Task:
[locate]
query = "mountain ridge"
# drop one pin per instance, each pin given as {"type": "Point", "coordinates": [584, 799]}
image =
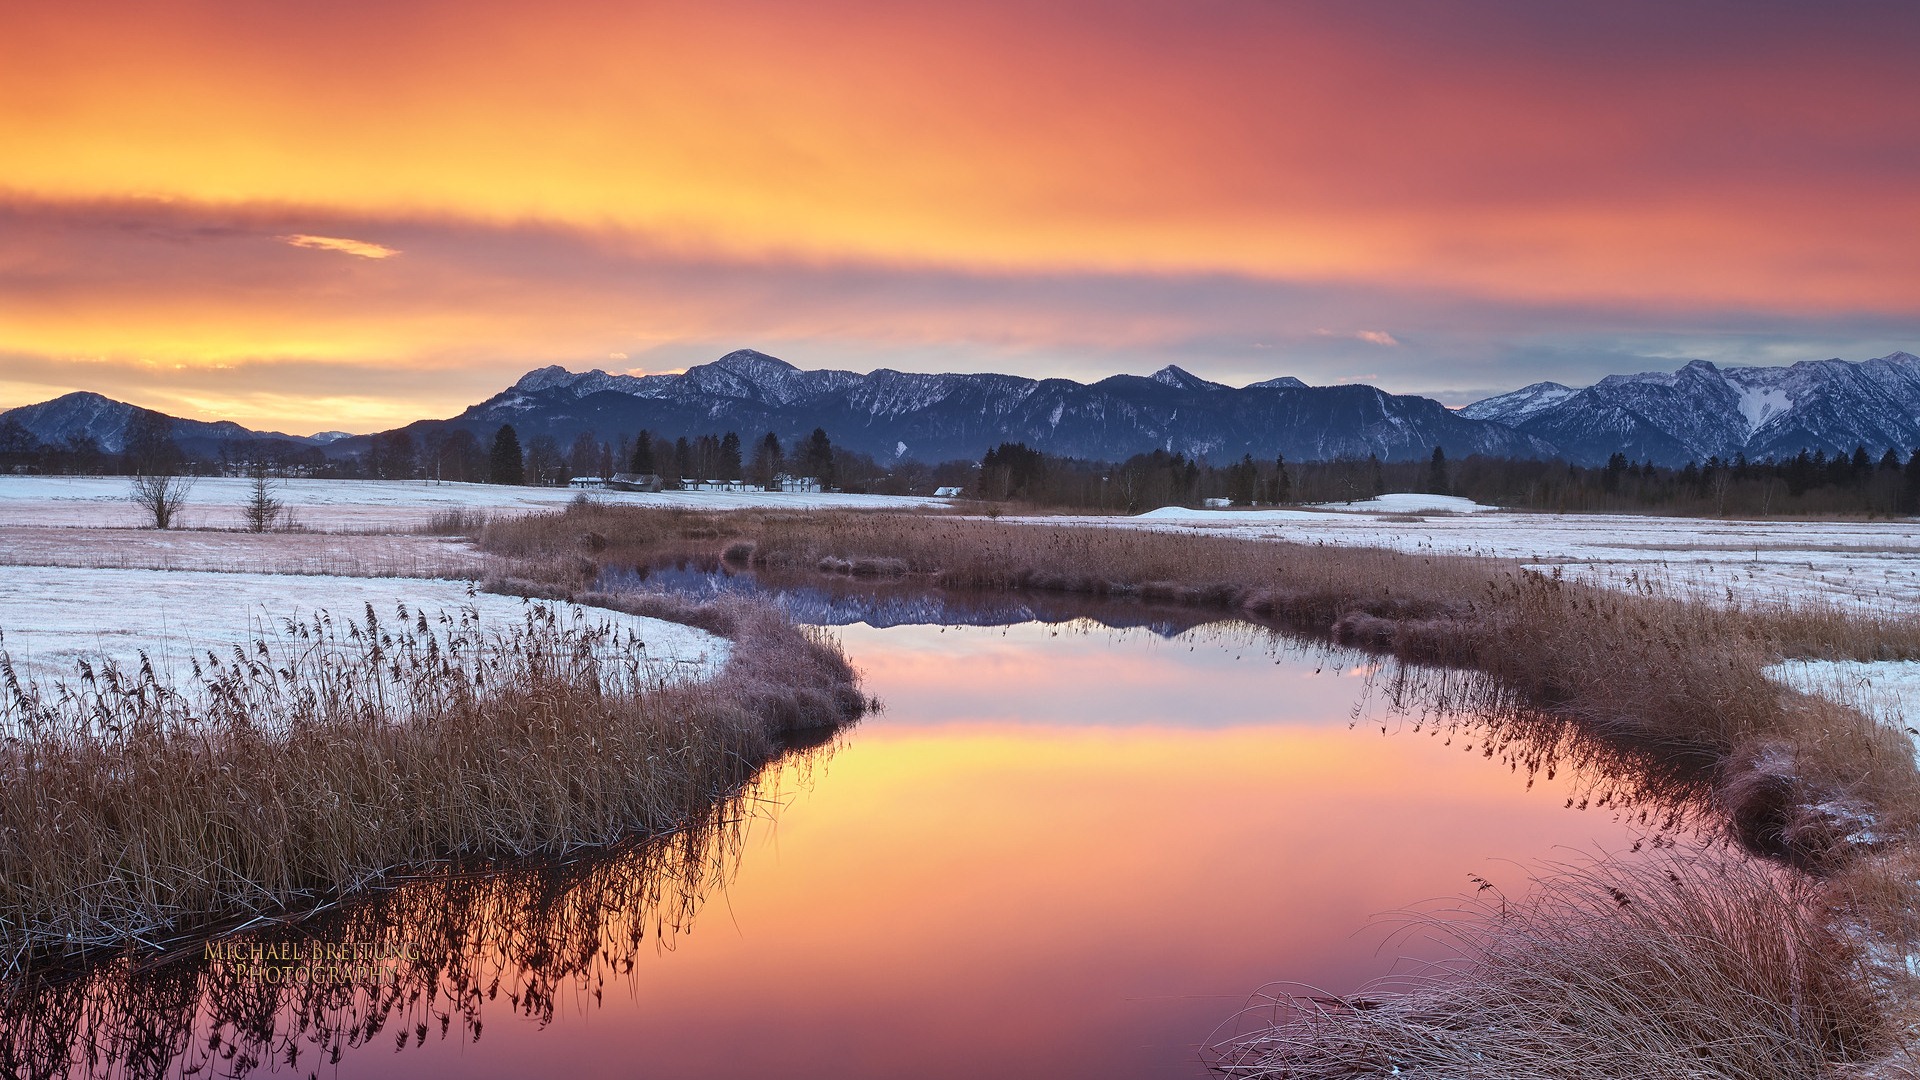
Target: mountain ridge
{"type": "Point", "coordinates": [933, 417]}
{"type": "Point", "coordinates": [1697, 411]}
{"type": "Point", "coordinates": [1702, 410]}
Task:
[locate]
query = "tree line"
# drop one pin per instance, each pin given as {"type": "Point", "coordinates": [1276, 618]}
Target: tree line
{"type": "Point", "coordinates": [1808, 483]}
{"type": "Point", "coordinates": [150, 448]}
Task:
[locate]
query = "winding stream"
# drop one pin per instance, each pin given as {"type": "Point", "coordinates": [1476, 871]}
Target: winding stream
{"type": "Point", "coordinates": [1062, 849]}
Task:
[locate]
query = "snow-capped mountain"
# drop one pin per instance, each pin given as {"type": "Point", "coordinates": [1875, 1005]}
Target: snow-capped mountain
{"type": "Point", "coordinates": [104, 420]}
{"type": "Point", "coordinates": [896, 414]}
{"type": "Point", "coordinates": [1517, 405]}
{"type": "Point", "coordinates": [1701, 411]}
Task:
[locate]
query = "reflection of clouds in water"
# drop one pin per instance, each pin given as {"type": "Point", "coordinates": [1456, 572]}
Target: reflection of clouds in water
{"type": "Point", "coordinates": [1240, 801]}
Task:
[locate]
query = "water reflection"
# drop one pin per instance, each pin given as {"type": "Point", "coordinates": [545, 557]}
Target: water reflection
{"type": "Point", "coordinates": [834, 600]}
{"type": "Point", "coordinates": [1063, 850]}
{"type": "Point", "coordinates": [435, 957]}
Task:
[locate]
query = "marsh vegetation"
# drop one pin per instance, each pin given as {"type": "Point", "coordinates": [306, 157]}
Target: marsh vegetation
{"type": "Point", "coordinates": [1826, 790]}
{"type": "Point", "coordinates": [343, 752]}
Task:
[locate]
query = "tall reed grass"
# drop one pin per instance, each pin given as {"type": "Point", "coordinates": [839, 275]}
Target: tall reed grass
{"type": "Point", "coordinates": [440, 955]}
{"type": "Point", "coordinates": [1806, 777]}
{"type": "Point", "coordinates": [346, 751]}
{"type": "Point", "coordinates": [1685, 966]}
{"type": "Point", "coordinates": [1726, 968]}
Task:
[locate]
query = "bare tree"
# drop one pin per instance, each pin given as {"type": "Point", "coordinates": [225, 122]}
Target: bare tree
{"type": "Point", "coordinates": [161, 496]}
{"type": "Point", "coordinates": [262, 510]}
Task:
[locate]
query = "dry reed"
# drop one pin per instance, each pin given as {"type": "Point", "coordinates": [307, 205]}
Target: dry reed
{"type": "Point", "coordinates": [438, 956]}
{"type": "Point", "coordinates": [1728, 969]}
{"type": "Point", "coordinates": [1682, 966]}
{"type": "Point", "coordinates": [1806, 777]}
{"type": "Point", "coordinates": [346, 751]}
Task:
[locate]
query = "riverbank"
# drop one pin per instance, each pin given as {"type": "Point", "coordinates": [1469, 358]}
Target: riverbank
{"type": "Point", "coordinates": [1818, 785]}
{"type": "Point", "coordinates": [321, 760]}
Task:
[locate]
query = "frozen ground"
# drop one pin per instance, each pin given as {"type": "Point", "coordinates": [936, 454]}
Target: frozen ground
{"type": "Point", "coordinates": [55, 616]}
{"type": "Point", "coordinates": [1411, 502]}
{"type": "Point", "coordinates": [351, 554]}
{"type": "Point", "coordinates": [1874, 565]}
{"type": "Point", "coordinates": [364, 505]}
{"type": "Point", "coordinates": [1887, 690]}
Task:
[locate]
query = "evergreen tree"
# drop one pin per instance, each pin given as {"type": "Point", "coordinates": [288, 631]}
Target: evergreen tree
{"type": "Point", "coordinates": [1242, 482]}
{"type": "Point", "coordinates": [1616, 468]}
{"type": "Point", "coordinates": [506, 464]}
{"type": "Point", "coordinates": [1437, 473]}
{"type": "Point", "coordinates": [262, 509]}
{"type": "Point", "coordinates": [817, 458]}
{"type": "Point", "coordinates": [683, 463]}
{"type": "Point", "coordinates": [730, 466]}
{"type": "Point", "coordinates": [769, 461]}
{"type": "Point", "coordinates": [643, 454]}
{"type": "Point", "coordinates": [1910, 490]}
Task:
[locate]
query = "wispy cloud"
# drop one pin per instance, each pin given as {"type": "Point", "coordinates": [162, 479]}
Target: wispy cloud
{"type": "Point", "coordinates": [362, 248]}
{"type": "Point", "coordinates": [1372, 337]}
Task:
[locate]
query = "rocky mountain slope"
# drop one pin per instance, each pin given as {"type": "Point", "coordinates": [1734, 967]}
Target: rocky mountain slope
{"type": "Point", "coordinates": [895, 414]}
{"type": "Point", "coordinates": [1701, 411]}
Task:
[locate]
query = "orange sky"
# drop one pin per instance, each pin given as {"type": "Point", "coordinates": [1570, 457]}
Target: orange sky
{"type": "Point", "coordinates": [210, 204]}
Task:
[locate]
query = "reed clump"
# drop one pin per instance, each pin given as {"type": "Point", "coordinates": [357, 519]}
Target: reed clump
{"type": "Point", "coordinates": [438, 956]}
{"type": "Point", "coordinates": [1803, 777]}
{"type": "Point", "coordinates": [1696, 966]}
{"type": "Point", "coordinates": [1704, 969]}
{"type": "Point", "coordinates": [345, 751]}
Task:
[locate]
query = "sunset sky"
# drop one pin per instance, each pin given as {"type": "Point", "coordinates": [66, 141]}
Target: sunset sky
{"type": "Point", "coordinates": [354, 214]}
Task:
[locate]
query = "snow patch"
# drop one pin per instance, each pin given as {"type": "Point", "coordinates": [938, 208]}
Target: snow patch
{"type": "Point", "coordinates": [53, 617]}
{"type": "Point", "coordinates": [1887, 690]}
{"type": "Point", "coordinates": [368, 505]}
{"type": "Point", "coordinates": [1411, 502]}
{"type": "Point", "coordinates": [1227, 518]}
{"type": "Point", "coordinates": [1762, 403]}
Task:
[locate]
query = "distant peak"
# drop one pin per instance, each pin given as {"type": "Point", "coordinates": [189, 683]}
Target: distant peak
{"type": "Point", "coordinates": [542, 378]}
{"type": "Point", "coordinates": [751, 358]}
{"type": "Point", "coordinates": [1284, 382]}
{"type": "Point", "coordinates": [1182, 379]}
{"type": "Point", "coordinates": [87, 396]}
{"type": "Point", "coordinates": [1901, 357]}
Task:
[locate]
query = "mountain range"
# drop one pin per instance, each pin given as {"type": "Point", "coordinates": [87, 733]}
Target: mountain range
{"type": "Point", "coordinates": [1691, 414]}
{"type": "Point", "coordinates": [104, 420]}
{"type": "Point", "coordinates": [1703, 411]}
{"type": "Point", "coordinates": [895, 415]}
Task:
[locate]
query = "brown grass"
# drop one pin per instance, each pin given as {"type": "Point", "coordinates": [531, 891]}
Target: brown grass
{"type": "Point", "coordinates": [1681, 966]}
{"type": "Point", "coordinates": [1729, 969]}
{"type": "Point", "coordinates": [467, 947]}
{"type": "Point", "coordinates": [345, 752]}
{"type": "Point", "coordinates": [1804, 775]}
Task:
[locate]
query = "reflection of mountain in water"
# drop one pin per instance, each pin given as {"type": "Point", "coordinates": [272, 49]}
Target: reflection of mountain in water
{"type": "Point", "coordinates": [1663, 791]}
{"type": "Point", "coordinates": [449, 950]}
{"type": "Point", "coordinates": [829, 600]}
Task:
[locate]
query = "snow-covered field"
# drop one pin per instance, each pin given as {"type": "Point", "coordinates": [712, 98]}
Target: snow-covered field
{"type": "Point", "coordinates": [364, 505]}
{"type": "Point", "coordinates": [350, 554]}
{"type": "Point", "coordinates": [1874, 565]}
{"type": "Point", "coordinates": [362, 528]}
{"type": "Point", "coordinates": [1871, 565]}
{"type": "Point", "coordinates": [53, 617]}
{"type": "Point", "coordinates": [1887, 690]}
